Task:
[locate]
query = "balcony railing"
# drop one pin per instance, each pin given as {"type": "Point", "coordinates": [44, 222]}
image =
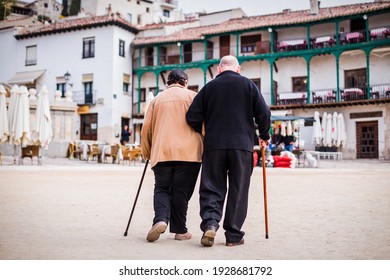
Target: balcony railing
{"type": "Point", "coordinates": [329, 95]}
{"type": "Point", "coordinates": [84, 98]}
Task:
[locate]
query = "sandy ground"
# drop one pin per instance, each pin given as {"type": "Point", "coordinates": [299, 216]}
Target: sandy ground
{"type": "Point", "coordinates": [69, 209]}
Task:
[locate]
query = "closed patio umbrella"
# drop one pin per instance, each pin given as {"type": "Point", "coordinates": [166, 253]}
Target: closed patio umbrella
{"type": "Point", "coordinates": [334, 129]}
{"type": "Point", "coordinates": [11, 111]}
{"type": "Point", "coordinates": [4, 131]}
{"type": "Point", "coordinates": [342, 135]}
{"type": "Point", "coordinates": [21, 121]}
{"type": "Point", "coordinates": [42, 131]}
{"type": "Point", "coordinates": [323, 128]}
{"type": "Point", "coordinates": [328, 135]}
{"type": "Point", "coordinates": [317, 134]}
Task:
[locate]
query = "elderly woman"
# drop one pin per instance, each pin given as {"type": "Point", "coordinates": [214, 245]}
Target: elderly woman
{"type": "Point", "coordinates": [175, 152]}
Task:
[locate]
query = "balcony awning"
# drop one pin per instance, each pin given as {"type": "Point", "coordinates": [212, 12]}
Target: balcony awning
{"type": "Point", "coordinates": [27, 77]}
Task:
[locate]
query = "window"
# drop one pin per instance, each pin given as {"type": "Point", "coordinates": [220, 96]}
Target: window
{"type": "Point", "coordinates": [88, 47]}
{"type": "Point", "coordinates": [45, 5]}
{"type": "Point", "coordinates": [138, 2]}
{"type": "Point", "coordinates": [31, 55]}
{"type": "Point", "coordinates": [61, 87]}
{"type": "Point", "coordinates": [248, 43]}
{"type": "Point", "coordinates": [139, 19]}
{"type": "Point", "coordinates": [257, 83]}
{"type": "Point", "coordinates": [149, 56]}
{"type": "Point", "coordinates": [166, 13]}
{"type": "Point", "coordinates": [129, 17]}
{"type": "Point", "coordinates": [299, 84]}
{"type": "Point", "coordinates": [126, 83]}
{"type": "Point", "coordinates": [187, 48]}
{"type": "Point", "coordinates": [122, 48]}
{"type": "Point", "coordinates": [88, 92]}
{"type": "Point", "coordinates": [210, 50]}
{"type": "Point", "coordinates": [148, 10]}
{"type": "Point", "coordinates": [355, 78]}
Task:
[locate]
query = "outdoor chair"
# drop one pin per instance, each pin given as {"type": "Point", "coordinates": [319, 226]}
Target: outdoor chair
{"type": "Point", "coordinates": [30, 152]}
{"type": "Point", "coordinates": [73, 151]}
{"type": "Point", "coordinates": [131, 155]}
{"type": "Point", "coordinates": [113, 153]}
{"type": "Point", "coordinates": [93, 152]}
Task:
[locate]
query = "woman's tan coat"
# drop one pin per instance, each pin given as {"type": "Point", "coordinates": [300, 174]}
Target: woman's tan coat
{"type": "Point", "coordinates": [166, 136]}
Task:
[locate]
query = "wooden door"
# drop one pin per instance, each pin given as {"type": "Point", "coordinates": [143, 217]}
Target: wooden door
{"type": "Point", "coordinates": [367, 139]}
{"type": "Point", "coordinates": [89, 125]}
{"type": "Point", "coordinates": [224, 45]}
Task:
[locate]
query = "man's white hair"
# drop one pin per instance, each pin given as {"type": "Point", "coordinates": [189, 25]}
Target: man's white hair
{"type": "Point", "coordinates": [228, 61]}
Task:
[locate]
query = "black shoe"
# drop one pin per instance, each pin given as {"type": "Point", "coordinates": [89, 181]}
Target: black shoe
{"type": "Point", "coordinates": [231, 244]}
{"type": "Point", "coordinates": [208, 236]}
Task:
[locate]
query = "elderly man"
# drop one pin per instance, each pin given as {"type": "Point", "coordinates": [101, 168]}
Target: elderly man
{"type": "Point", "coordinates": [227, 106]}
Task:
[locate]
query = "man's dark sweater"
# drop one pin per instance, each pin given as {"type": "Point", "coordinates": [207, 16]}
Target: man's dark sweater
{"type": "Point", "coordinates": [227, 105]}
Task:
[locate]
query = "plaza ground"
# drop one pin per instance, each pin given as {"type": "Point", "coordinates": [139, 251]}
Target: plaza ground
{"type": "Point", "coordinates": [73, 210]}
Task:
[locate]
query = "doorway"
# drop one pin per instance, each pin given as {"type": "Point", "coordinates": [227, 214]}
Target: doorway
{"type": "Point", "coordinates": [89, 125]}
{"type": "Point", "coordinates": [367, 139]}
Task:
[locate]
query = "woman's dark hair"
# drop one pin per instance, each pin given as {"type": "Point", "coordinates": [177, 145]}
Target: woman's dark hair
{"type": "Point", "coordinates": [177, 76]}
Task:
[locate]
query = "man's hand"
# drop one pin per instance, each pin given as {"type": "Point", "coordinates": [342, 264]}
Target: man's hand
{"type": "Point", "coordinates": [263, 143]}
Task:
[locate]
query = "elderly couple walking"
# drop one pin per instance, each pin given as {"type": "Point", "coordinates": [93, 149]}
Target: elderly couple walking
{"type": "Point", "coordinates": [224, 112]}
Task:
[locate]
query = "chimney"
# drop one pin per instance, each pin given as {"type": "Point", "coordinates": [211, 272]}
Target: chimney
{"type": "Point", "coordinates": [314, 7]}
{"type": "Point", "coordinates": [286, 11]}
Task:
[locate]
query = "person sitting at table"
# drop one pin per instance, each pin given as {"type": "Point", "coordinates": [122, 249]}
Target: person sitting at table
{"type": "Point", "coordinates": [288, 142]}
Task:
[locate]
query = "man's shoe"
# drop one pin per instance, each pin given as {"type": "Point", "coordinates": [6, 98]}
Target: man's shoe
{"type": "Point", "coordinates": [156, 230]}
{"type": "Point", "coordinates": [231, 244]}
{"type": "Point", "coordinates": [183, 236]}
{"type": "Point", "coordinates": [208, 237]}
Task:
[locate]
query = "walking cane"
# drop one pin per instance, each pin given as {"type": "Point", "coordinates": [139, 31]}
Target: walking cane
{"type": "Point", "coordinates": [265, 192]}
{"type": "Point", "coordinates": [136, 197]}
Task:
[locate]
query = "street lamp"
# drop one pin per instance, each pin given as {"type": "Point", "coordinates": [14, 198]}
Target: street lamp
{"type": "Point", "coordinates": [67, 76]}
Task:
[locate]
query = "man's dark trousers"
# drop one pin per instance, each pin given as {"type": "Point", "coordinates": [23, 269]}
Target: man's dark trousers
{"type": "Point", "coordinates": [174, 185]}
{"type": "Point", "coordinates": [218, 168]}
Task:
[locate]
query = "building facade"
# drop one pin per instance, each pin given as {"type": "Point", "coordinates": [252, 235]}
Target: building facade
{"type": "Point", "coordinates": [324, 59]}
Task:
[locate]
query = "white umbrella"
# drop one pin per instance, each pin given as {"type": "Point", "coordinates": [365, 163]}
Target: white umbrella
{"type": "Point", "coordinates": [283, 129]}
{"type": "Point", "coordinates": [4, 131]}
{"type": "Point", "coordinates": [149, 99]}
{"type": "Point", "coordinates": [328, 135]}
{"type": "Point", "coordinates": [43, 132]}
{"type": "Point", "coordinates": [317, 134]}
{"type": "Point", "coordinates": [21, 118]}
{"type": "Point", "coordinates": [342, 135]}
{"type": "Point", "coordinates": [11, 111]}
{"type": "Point", "coordinates": [323, 128]}
{"type": "Point", "coordinates": [334, 129]}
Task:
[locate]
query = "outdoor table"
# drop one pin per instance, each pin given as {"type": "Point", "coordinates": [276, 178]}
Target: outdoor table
{"type": "Point", "coordinates": [325, 41]}
{"type": "Point", "coordinates": [354, 37]}
{"type": "Point", "coordinates": [379, 32]}
{"type": "Point", "coordinates": [352, 94]}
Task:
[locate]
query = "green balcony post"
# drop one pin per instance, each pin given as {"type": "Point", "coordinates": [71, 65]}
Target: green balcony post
{"type": "Point", "coordinates": [308, 59]}
{"type": "Point", "coordinates": [157, 88]}
{"type": "Point", "coordinates": [158, 55]}
{"type": "Point", "coordinates": [139, 57]}
{"type": "Point", "coordinates": [338, 76]}
{"type": "Point", "coordinates": [181, 52]}
{"type": "Point", "coordinates": [271, 35]}
{"type": "Point", "coordinates": [367, 28]}
{"type": "Point", "coordinates": [368, 73]}
{"type": "Point", "coordinates": [337, 34]}
{"type": "Point", "coordinates": [308, 38]}
{"type": "Point", "coordinates": [139, 94]}
{"type": "Point", "coordinates": [205, 49]}
{"type": "Point", "coordinates": [271, 68]}
{"type": "Point", "coordinates": [237, 44]}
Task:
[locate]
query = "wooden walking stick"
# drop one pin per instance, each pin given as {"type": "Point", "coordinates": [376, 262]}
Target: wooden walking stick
{"type": "Point", "coordinates": [265, 191]}
{"type": "Point", "coordinates": [136, 197]}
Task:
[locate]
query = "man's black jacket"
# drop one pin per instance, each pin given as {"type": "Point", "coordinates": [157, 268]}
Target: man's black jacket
{"type": "Point", "coordinates": [227, 105]}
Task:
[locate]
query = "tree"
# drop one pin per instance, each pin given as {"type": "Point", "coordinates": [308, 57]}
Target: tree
{"type": "Point", "coordinates": [5, 8]}
{"type": "Point", "coordinates": [64, 12]}
{"type": "Point", "coordinates": [75, 7]}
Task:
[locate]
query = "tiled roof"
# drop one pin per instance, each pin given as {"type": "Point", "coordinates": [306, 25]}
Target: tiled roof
{"type": "Point", "coordinates": [19, 21]}
{"type": "Point", "coordinates": [77, 24]}
{"type": "Point", "coordinates": [254, 22]}
{"type": "Point", "coordinates": [163, 24]}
